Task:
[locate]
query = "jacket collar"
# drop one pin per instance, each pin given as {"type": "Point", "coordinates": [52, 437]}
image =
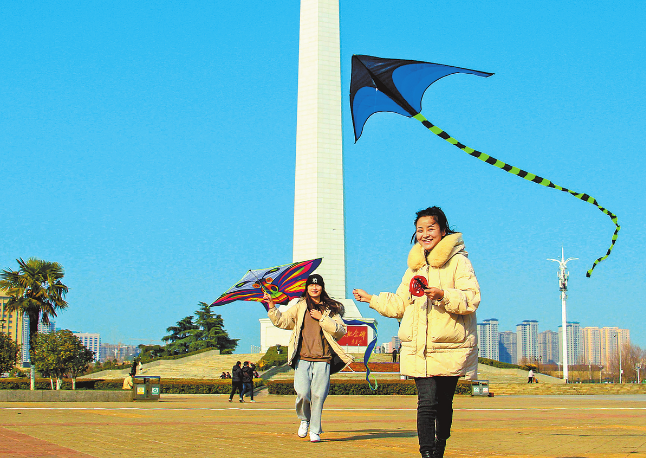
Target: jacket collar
{"type": "Point", "coordinates": [443, 251]}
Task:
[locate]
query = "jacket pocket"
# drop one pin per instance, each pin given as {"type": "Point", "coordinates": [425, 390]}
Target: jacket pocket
{"type": "Point", "coordinates": [447, 327]}
{"type": "Point", "coordinates": [405, 332]}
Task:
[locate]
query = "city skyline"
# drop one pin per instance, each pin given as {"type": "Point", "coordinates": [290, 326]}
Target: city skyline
{"type": "Point", "coordinates": [586, 345]}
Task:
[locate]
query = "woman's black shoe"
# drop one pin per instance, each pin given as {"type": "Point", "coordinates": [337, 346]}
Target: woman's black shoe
{"type": "Point", "coordinates": [440, 445]}
{"type": "Point", "coordinates": [427, 454]}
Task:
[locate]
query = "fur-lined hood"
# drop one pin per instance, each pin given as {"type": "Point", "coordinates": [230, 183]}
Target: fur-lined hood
{"type": "Point", "coordinates": [448, 247]}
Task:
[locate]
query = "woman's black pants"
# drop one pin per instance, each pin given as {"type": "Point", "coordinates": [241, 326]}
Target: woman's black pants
{"type": "Point", "coordinates": [434, 409]}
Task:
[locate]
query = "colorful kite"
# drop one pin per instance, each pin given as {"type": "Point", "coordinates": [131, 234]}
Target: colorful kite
{"type": "Point", "coordinates": [282, 283]}
{"type": "Point", "coordinates": [397, 85]}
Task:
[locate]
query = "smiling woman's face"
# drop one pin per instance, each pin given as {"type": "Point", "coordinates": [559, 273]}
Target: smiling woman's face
{"type": "Point", "coordinates": [428, 232]}
{"type": "Point", "coordinates": [314, 291]}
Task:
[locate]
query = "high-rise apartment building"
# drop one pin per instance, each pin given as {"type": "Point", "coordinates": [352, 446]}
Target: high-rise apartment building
{"type": "Point", "coordinates": [591, 343]}
{"type": "Point", "coordinates": [91, 341]}
{"type": "Point", "coordinates": [574, 353]}
{"type": "Point", "coordinates": [13, 324]}
{"type": "Point", "coordinates": [527, 341]}
{"type": "Point", "coordinates": [488, 339]}
{"type": "Point", "coordinates": [548, 347]}
{"type": "Point", "coordinates": [611, 339]}
{"type": "Point", "coordinates": [507, 347]}
{"type": "Point", "coordinates": [47, 328]}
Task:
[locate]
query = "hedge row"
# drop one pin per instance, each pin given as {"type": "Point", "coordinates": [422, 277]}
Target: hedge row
{"type": "Point", "coordinates": [174, 386]}
{"type": "Point", "coordinates": [44, 384]}
{"type": "Point", "coordinates": [499, 364]}
{"type": "Point", "coordinates": [197, 386]}
{"type": "Point", "coordinates": [344, 387]}
{"type": "Point", "coordinates": [374, 367]}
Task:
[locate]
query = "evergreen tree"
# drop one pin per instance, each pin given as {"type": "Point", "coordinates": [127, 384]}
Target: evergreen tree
{"type": "Point", "coordinates": [181, 336]}
{"type": "Point", "coordinates": [211, 333]}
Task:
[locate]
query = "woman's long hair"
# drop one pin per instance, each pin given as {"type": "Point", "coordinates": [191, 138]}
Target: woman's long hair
{"type": "Point", "coordinates": [336, 307]}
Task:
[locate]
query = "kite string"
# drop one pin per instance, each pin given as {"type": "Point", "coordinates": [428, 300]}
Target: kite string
{"type": "Point", "coordinates": [527, 176]}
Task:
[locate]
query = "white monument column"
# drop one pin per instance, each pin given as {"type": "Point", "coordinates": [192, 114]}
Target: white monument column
{"type": "Point", "coordinates": [318, 200]}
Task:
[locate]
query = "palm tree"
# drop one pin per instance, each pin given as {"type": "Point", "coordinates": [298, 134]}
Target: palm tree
{"type": "Point", "coordinates": [37, 292]}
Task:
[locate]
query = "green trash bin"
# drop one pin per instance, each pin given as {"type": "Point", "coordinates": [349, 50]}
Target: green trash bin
{"type": "Point", "coordinates": [480, 388]}
{"type": "Point", "coordinates": [146, 387]}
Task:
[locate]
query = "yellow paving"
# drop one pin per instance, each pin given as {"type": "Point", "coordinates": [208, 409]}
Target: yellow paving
{"type": "Point", "coordinates": [355, 426]}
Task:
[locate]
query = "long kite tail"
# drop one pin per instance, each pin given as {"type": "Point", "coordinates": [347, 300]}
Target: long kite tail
{"type": "Point", "coordinates": [527, 176]}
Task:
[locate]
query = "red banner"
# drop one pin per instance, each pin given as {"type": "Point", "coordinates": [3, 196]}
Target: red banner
{"type": "Point", "coordinates": [357, 336]}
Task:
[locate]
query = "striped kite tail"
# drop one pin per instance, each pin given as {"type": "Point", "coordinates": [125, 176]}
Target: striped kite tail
{"type": "Point", "coordinates": [527, 176]}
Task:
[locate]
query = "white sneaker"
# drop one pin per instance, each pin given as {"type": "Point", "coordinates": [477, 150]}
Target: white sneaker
{"type": "Point", "coordinates": [315, 437]}
{"type": "Point", "coordinates": [302, 429]}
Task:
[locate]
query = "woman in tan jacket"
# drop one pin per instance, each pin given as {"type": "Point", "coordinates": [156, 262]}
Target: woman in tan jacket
{"type": "Point", "coordinates": [316, 323]}
{"type": "Point", "coordinates": [436, 303]}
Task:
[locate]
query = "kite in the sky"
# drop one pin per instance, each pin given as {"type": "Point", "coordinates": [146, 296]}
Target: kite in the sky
{"type": "Point", "coordinates": [282, 283]}
{"type": "Point", "coordinates": [397, 85]}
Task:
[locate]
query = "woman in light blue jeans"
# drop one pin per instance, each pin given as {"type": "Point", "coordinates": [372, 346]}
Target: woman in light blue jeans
{"type": "Point", "coordinates": [316, 323]}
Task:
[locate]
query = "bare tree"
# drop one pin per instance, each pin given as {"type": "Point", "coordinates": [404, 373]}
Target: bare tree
{"type": "Point", "coordinates": [630, 357]}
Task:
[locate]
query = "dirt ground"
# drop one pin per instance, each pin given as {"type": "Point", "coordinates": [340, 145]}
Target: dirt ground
{"type": "Point", "coordinates": [355, 426]}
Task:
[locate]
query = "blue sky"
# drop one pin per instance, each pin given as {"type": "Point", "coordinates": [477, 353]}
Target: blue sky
{"type": "Point", "coordinates": [150, 150]}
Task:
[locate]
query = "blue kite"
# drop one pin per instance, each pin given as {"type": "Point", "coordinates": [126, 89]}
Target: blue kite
{"type": "Point", "coordinates": [398, 85]}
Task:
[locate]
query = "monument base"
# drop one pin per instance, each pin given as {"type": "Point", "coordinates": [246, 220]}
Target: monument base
{"type": "Point", "coordinates": [355, 341]}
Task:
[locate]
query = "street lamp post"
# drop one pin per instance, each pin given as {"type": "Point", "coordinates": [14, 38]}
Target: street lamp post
{"type": "Point", "coordinates": [638, 367]}
{"type": "Point", "coordinates": [563, 277]}
{"type": "Point", "coordinates": [620, 369]}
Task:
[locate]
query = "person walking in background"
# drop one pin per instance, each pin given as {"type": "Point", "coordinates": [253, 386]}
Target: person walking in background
{"type": "Point", "coordinates": [530, 376]}
{"type": "Point", "coordinates": [247, 380]}
{"type": "Point", "coordinates": [236, 381]}
{"type": "Point", "coordinates": [394, 355]}
{"type": "Point", "coordinates": [436, 302]}
{"type": "Point", "coordinates": [316, 323]}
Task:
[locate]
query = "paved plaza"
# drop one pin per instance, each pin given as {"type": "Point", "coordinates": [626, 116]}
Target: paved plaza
{"type": "Point", "coordinates": [355, 426]}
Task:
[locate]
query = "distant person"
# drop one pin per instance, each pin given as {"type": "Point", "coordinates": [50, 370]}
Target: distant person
{"type": "Point", "coordinates": [127, 382]}
{"type": "Point", "coordinates": [236, 381]}
{"type": "Point", "coordinates": [394, 355]}
{"type": "Point", "coordinates": [223, 375]}
{"type": "Point", "coordinates": [316, 323]}
{"type": "Point", "coordinates": [436, 303]}
{"type": "Point", "coordinates": [530, 376]}
{"type": "Point", "coordinates": [228, 375]}
{"type": "Point", "coordinates": [133, 368]}
{"type": "Point", "coordinates": [247, 380]}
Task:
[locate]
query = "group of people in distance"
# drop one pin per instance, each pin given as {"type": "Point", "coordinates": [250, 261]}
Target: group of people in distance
{"type": "Point", "coordinates": [242, 380]}
{"type": "Point", "coordinates": [435, 303]}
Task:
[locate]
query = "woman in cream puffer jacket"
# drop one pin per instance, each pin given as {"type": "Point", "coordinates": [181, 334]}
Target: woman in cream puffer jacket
{"type": "Point", "coordinates": [438, 329]}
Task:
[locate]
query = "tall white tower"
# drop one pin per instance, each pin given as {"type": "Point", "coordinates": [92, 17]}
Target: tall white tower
{"type": "Point", "coordinates": [318, 201]}
{"type": "Point", "coordinates": [563, 277]}
{"type": "Point", "coordinates": [319, 230]}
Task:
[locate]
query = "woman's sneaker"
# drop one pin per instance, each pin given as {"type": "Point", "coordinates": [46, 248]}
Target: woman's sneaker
{"type": "Point", "coordinates": [302, 429]}
{"type": "Point", "coordinates": [315, 437]}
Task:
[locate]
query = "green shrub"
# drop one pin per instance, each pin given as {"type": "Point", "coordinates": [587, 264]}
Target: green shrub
{"type": "Point", "coordinates": [272, 358]}
{"type": "Point", "coordinates": [499, 364]}
{"type": "Point", "coordinates": [174, 386]}
{"type": "Point", "coordinates": [197, 386]}
{"type": "Point", "coordinates": [360, 387]}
